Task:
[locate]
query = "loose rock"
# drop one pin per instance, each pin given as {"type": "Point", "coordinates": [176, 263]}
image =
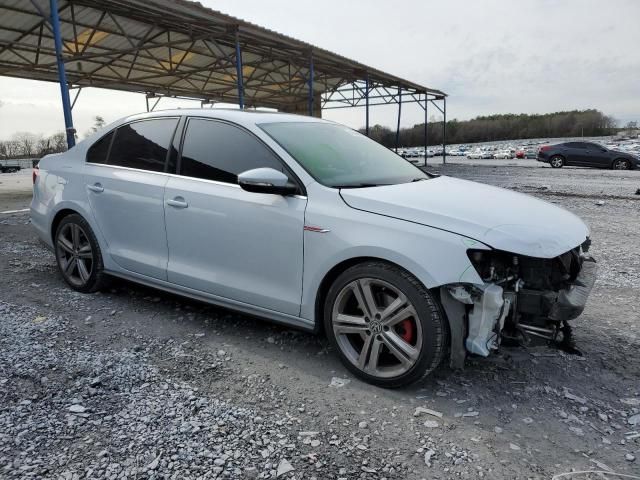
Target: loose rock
{"type": "Point", "coordinates": [284, 467]}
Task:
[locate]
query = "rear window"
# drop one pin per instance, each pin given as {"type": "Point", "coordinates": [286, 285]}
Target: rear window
{"type": "Point", "coordinates": [98, 152]}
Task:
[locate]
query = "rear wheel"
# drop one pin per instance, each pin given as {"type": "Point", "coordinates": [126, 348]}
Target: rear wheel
{"type": "Point", "coordinates": [556, 161]}
{"type": "Point", "coordinates": [78, 255]}
{"type": "Point", "coordinates": [621, 164]}
{"type": "Point", "coordinates": [386, 326]}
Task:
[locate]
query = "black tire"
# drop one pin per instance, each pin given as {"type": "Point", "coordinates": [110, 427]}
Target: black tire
{"type": "Point", "coordinates": [96, 279]}
{"type": "Point", "coordinates": [621, 164]}
{"type": "Point", "coordinates": [434, 331]}
{"type": "Point", "coordinates": [556, 161]}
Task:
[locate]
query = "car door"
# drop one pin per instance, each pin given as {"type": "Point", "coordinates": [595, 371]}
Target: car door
{"type": "Point", "coordinates": [125, 179]}
{"type": "Point", "coordinates": [223, 240]}
{"type": "Point", "coordinates": [575, 153]}
{"type": "Point", "coordinates": [596, 156]}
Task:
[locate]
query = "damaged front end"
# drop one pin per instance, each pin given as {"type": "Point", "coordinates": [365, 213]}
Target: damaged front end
{"type": "Point", "coordinates": [524, 300]}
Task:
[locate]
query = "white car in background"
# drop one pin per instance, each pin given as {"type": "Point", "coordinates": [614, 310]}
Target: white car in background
{"type": "Point", "coordinates": [475, 154]}
{"type": "Point", "coordinates": [503, 155]}
{"type": "Point", "coordinates": [312, 225]}
{"type": "Point", "coordinates": [480, 154]}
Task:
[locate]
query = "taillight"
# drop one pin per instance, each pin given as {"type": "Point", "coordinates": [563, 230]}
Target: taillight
{"type": "Point", "coordinates": [34, 174]}
{"type": "Point", "coordinates": [544, 148]}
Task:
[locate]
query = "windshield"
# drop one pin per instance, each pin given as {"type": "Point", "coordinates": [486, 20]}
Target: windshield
{"type": "Point", "coordinates": [339, 157]}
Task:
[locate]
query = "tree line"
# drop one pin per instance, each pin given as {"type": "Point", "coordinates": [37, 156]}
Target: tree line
{"type": "Point", "coordinates": [26, 144]}
{"type": "Point", "coordinates": [576, 123]}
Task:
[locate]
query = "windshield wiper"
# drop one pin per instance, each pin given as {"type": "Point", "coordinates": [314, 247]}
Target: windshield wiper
{"type": "Point", "coordinates": [361, 185]}
{"type": "Point", "coordinates": [419, 179]}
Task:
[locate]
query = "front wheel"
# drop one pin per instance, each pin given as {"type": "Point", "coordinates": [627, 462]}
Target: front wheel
{"type": "Point", "coordinates": [78, 255]}
{"type": "Point", "coordinates": [387, 327]}
{"type": "Point", "coordinates": [556, 161]}
{"type": "Point", "coordinates": [621, 164]}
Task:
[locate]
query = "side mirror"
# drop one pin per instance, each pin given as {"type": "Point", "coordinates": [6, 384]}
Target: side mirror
{"type": "Point", "coordinates": [266, 180]}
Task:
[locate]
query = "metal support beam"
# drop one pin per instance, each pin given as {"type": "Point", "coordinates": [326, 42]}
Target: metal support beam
{"type": "Point", "coordinates": [75, 99]}
{"type": "Point", "coordinates": [366, 96]}
{"type": "Point", "coordinates": [62, 77]}
{"type": "Point", "coordinates": [311, 75]}
{"type": "Point", "coordinates": [444, 130]}
{"type": "Point", "coordinates": [239, 72]}
{"type": "Point", "coordinates": [426, 138]}
{"type": "Point", "coordinates": [399, 114]}
{"type": "Point", "coordinates": [151, 108]}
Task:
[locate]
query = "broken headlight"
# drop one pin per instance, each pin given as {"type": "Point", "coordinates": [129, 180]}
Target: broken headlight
{"type": "Point", "coordinates": [494, 265]}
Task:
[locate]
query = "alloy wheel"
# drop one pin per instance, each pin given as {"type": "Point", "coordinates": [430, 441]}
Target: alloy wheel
{"type": "Point", "coordinates": [377, 328]}
{"type": "Point", "coordinates": [75, 254]}
{"type": "Point", "coordinates": [556, 162]}
{"type": "Point", "coordinates": [620, 165]}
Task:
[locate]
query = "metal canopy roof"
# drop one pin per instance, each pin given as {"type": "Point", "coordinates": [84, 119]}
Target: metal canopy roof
{"type": "Point", "coordinates": [180, 48]}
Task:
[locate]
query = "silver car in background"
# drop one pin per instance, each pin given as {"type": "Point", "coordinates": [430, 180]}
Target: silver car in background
{"type": "Point", "coordinates": [310, 224]}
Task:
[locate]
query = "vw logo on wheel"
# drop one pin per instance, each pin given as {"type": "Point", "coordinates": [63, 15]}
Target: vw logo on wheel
{"type": "Point", "coordinates": [376, 327]}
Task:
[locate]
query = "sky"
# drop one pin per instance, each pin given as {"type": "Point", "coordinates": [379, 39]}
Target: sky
{"type": "Point", "coordinates": [489, 56]}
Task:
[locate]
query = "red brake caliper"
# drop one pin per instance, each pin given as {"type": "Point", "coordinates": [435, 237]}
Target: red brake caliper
{"type": "Point", "coordinates": [408, 330]}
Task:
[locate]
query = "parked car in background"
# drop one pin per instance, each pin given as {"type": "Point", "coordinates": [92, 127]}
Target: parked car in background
{"type": "Point", "coordinates": [503, 155]}
{"type": "Point", "coordinates": [315, 226]}
{"type": "Point", "coordinates": [9, 166]}
{"type": "Point", "coordinates": [520, 153]}
{"type": "Point", "coordinates": [480, 154]}
{"type": "Point", "coordinates": [586, 154]}
{"type": "Point", "coordinates": [531, 153]}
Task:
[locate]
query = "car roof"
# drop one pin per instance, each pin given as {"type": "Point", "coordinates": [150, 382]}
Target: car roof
{"type": "Point", "coordinates": [242, 117]}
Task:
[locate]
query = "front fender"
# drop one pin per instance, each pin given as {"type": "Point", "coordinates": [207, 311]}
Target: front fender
{"type": "Point", "coordinates": [435, 257]}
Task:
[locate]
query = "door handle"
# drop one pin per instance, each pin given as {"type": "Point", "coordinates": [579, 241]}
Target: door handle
{"type": "Point", "coordinates": [177, 202]}
{"type": "Point", "coordinates": [96, 187]}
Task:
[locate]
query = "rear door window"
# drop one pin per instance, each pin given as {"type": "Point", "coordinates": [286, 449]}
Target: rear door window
{"type": "Point", "coordinates": [576, 145]}
{"type": "Point", "coordinates": [143, 145]}
{"type": "Point", "coordinates": [215, 150]}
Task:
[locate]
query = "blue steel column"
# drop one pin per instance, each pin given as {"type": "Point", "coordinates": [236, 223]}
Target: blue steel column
{"type": "Point", "coordinates": [239, 73]}
{"type": "Point", "coordinates": [399, 113]}
{"type": "Point", "coordinates": [62, 76]}
{"type": "Point", "coordinates": [366, 97]}
{"type": "Point", "coordinates": [311, 74]}
{"type": "Point", "coordinates": [444, 130]}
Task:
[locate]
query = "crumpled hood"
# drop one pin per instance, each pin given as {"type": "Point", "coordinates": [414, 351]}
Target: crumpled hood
{"type": "Point", "coordinates": [499, 218]}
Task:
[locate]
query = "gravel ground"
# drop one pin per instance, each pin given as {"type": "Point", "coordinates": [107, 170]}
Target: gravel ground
{"type": "Point", "coordinates": [15, 190]}
{"type": "Point", "coordinates": [135, 383]}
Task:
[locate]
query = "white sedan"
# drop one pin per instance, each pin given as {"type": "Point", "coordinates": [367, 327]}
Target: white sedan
{"type": "Point", "coordinates": [503, 155]}
{"type": "Point", "coordinates": [312, 225]}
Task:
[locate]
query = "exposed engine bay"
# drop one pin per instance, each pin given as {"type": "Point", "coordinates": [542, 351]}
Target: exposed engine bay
{"type": "Point", "coordinates": [524, 301]}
